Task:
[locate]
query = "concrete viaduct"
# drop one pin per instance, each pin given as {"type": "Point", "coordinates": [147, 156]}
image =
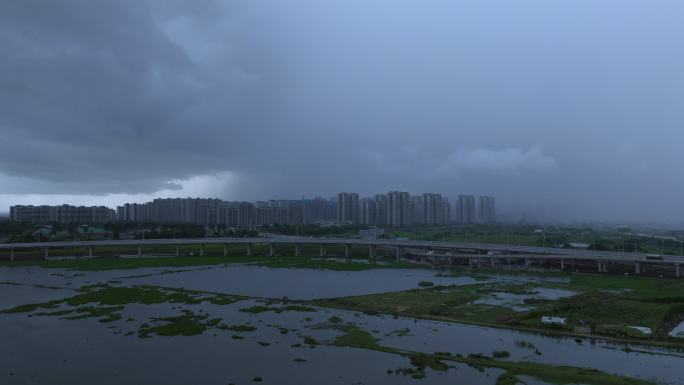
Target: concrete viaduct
{"type": "Point", "coordinates": [434, 250]}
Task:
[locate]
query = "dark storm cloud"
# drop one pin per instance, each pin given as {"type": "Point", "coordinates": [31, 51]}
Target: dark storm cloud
{"type": "Point", "coordinates": [96, 94]}
{"type": "Point", "coordinates": [570, 106]}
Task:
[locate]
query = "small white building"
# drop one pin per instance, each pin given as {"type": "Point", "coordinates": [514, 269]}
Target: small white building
{"type": "Point", "coordinates": [575, 245]}
{"type": "Point", "coordinates": [643, 329]}
{"type": "Point", "coordinates": [553, 320]}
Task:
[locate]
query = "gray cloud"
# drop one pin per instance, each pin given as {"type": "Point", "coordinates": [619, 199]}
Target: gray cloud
{"type": "Point", "coordinates": [567, 106]}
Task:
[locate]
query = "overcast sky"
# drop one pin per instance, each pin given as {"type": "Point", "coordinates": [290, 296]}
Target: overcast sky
{"type": "Point", "coordinates": [568, 109]}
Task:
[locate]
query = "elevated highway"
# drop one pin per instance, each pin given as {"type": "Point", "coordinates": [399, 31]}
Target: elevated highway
{"type": "Point", "coordinates": [432, 249]}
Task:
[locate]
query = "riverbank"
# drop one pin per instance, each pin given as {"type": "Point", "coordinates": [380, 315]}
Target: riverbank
{"type": "Point", "coordinates": [196, 313]}
{"type": "Point", "coordinates": [609, 308]}
{"type": "Point", "coordinates": [113, 263]}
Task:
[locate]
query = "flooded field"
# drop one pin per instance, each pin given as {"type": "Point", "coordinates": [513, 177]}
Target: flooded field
{"type": "Point", "coordinates": [228, 324]}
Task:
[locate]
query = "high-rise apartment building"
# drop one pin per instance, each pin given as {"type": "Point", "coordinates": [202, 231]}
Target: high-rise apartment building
{"type": "Point", "coordinates": [348, 207]}
{"type": "Point", "coordinates": [380, 209]}
{"type": "Point", "coordinates": [465, 209]}
{"type": "Point", "coordinates": [62, 214]}
{"type": "Point", "coordinates": [436, 209]}
{"type": "Point", "coordinates": [487, 212]}
{"type": "Point", "coordinates": [417, 211]}
{"type": "Point", "coordinates": [398, 209]}
{"type": "Point", "coordinates": [368, 212]}
{"type": "Point", "coordinates": [446, 210]}
{"type": "Point", "coordinates": [246, 214]}
{"type": "Point", "coordinates": [316, 210]}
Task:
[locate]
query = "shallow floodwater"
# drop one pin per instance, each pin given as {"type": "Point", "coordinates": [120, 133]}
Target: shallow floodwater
{"type": "Point", "coordinates": [49, 350]}
{"type": "Point", "coordinates": [72, 351]}
{"type": "Point", "coordinates": [299, 283]}
{"type": "Point", "coordinates": [517, 301]}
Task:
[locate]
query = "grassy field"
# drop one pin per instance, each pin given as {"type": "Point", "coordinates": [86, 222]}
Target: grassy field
{"type": "Point", "coordinates": [113, 263]}
{"type": "Point", "coordinates": [354, 336]}
{"type": "Point", "coordinates": [549, 236]}
{"type": "Point", "coordinates": [107, 302]}
{"type": "Point", "coordinates": [608, 305]}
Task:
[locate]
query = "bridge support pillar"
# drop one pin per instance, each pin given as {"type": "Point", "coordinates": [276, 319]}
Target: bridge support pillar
{"type": "Point", "coordinates": [177, 251]}
{"type": "Point", "coordinates": [562, 261]}
{"type": "Point", "coordinates": [12, 255]}
{"type": "Point", "coordinates": [225, 250]}
{"type": "Point", "coordinates": [371, 252]}
{"type": "Point", "coordinates": [139, 252]}
{"type": "Point", "coordinates": [46, 253]}
{"type": "Point", "coordinates": [527, 263]}
{"type": "Point", "coordinates": [347, 252]}
{"type": "Point", "coordinates": [470, 263]}
{"type": "Point", "coordinates": [202, 250]}
{"type": "Point", "coordinates": [271, 250]}
{"type": "Point", "coordinates": [322, 251]}
{"type": "Point", "coordinates": [637, 268]}
{"type": "Point", "coordinates": [90, 252]}
{"type": "Point", "coordinates": [249, 249]}
{"type": "Point", "coordinates": [399, 252]}
{"type": "Point", "coordinates": [600, 268]}
{"type": "Point", "coordinates": [677, 270]}
{"type": "Point", "coordinates": [298, 250]}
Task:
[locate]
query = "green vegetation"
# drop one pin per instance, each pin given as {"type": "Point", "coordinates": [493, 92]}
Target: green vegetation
{"type": "Point", "coordinates": [353, 336]}
{"type": "Point", "coordinates": [256, 309]}
{"type": "Point", "coordinates": [238, 328]}
{"type": "Point", "coordinates": [548, 236]}
{"type": "Point", "coordinates": [115, 263]}
{"type": "Point", "coordinates": [433, 301]}
{"type": "Point", "coordinates": [99, 264]}
{"type": "Point", "coordinates": [107, 302]}
{"type": "Point", "coordinates": [329, 264]}
{"type": "Point", "coordinates": [426, 284]}
{"type": "Point", "coordinates": [507, 378]}
{"type": "Point", "coordinates": [186, 324]}
{"type": "Point", "coordinates": [316, 230]}
{"type": "Point", "coordinates": [605, 306]}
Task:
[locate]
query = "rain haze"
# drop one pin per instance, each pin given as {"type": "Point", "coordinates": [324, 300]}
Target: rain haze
{"type": "Point", "coordinates": [563, 110]}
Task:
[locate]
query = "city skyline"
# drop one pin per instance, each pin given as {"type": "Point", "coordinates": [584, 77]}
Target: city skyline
{"type": "Point", "coordinates": [393, 209]}
{"type": "Point", "coordinates": [579, 123]}
{"type": "Point", "coordinates": [464, 191]}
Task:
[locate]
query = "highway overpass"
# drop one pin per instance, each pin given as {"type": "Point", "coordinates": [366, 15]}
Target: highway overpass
{"type": "Point", "coordinates": [431, 249]}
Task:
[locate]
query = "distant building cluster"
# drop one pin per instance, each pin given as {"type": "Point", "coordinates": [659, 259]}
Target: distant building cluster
{"type": "Point", "coordinates": [215, 212]}
{"type": "Point", "coordinates": [62, 214]}
{"type": "Point", "coordinates": [400, 209]}
{"type": "Point", "coordinates": [393, 209]}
